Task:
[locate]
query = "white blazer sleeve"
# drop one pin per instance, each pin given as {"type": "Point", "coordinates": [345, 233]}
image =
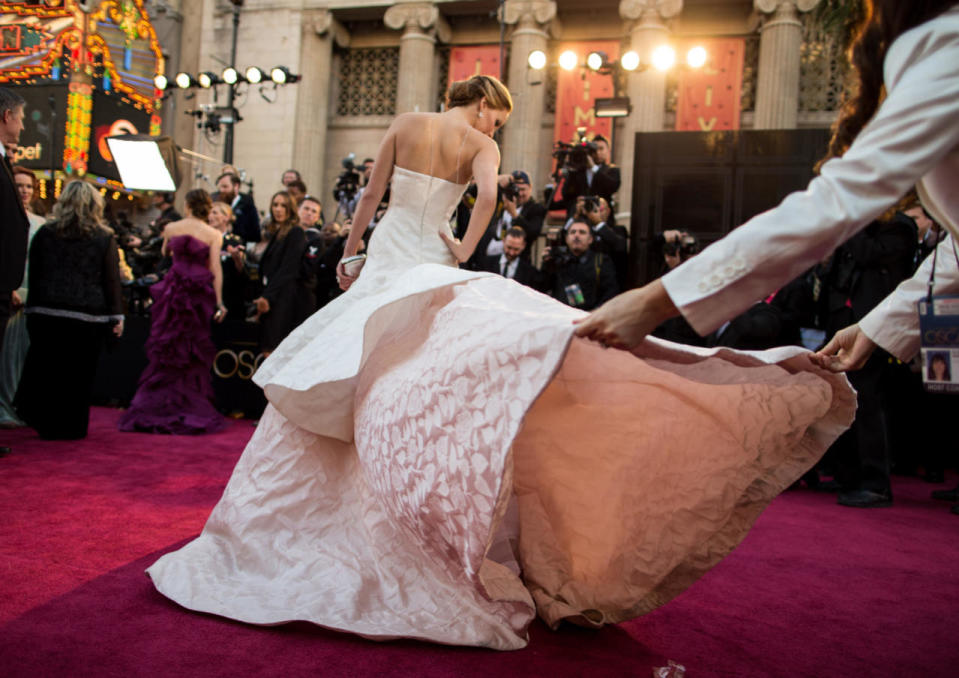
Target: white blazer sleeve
{"type": "Point", "coordinates": [894, 323]}
{"type": "Point", "coordinates": [914, 128]}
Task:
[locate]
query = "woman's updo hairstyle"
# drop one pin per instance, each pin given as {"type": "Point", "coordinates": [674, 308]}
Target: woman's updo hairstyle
{"type": "Point", "coordinates": [199, 203]}
{"type": "Point", "coordinates": [466, 92]}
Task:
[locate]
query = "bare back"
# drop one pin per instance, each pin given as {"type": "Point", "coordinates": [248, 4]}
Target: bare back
{"type": "Point", "coordinates": [438, 145]}
{"type": "Point", "coordinates": [198, 229]}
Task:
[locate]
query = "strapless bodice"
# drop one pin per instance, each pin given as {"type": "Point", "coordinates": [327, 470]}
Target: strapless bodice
{"type": "Point", "coordinates": [408, 234]}
{"type": "Point", "coordinates": [189, 250]}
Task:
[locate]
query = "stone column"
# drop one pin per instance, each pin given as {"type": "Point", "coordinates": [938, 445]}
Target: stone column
{"type": "Point", "coordinates": [186, 57]}
{"type": "Point", "coordinates": [777, 91]}
{"type": "Point", "coordinates": [646, 86]}
{"type": "Point", "coordinates": [320, 31]}
{"type": "Point", "coordinates": [533, 21]}
{"type": "Point", "coordinates": [421, 24]}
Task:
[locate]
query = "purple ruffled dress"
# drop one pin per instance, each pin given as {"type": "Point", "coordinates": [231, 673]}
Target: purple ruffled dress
{"type": "Point", "coordinates": [175, 394]}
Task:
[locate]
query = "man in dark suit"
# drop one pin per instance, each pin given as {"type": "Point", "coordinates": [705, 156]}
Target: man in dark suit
{"type": "Point", "coordinates": [523, 211]}
{"type": "Point", "coordinates": [246, 219]}
{"type": "Point", "coordinates": [510, 264]}
{"type": "Point", "coordinates": [578, 276]}
{"type": "Point", "coordinates": [14, 225]}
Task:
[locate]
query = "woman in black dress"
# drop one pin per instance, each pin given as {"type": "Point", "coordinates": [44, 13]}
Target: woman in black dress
{"type": "Point", "coordinates": [74, 302]}
{"type": "Point", "coordinates": [286, 300]}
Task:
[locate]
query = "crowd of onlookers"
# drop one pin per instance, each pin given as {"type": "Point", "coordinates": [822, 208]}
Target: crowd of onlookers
{"type": "Point", "coordinates": [279, 266]}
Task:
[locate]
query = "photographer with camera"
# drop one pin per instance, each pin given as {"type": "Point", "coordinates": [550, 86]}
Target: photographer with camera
{"type": "Point", "coordinates": [515, 207]}
{"type": "Point", "coordinates": [584, 169]}
{"type": "Point", "coordinates": [573, 273]}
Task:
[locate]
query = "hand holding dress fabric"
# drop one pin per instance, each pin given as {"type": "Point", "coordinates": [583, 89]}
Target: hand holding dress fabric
{"type": "Point", "coordinates": [848, 350]}
{"type": "Point", "coordinates": [624, 321]}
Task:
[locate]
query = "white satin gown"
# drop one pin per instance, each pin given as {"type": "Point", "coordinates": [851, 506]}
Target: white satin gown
{"type": "Point", "coordinates": [434, 431]}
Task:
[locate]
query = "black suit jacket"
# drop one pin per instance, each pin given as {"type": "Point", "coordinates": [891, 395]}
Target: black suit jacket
{"type": "Point", "coordinates": [13, 232]}
{"type": "Point", "coordinates": [605, 183]}
{"type": "Point", "coordinates": [247, 219]}
{"type": "Point", "coordinates": [530, 216]}
{"type": "Point", "coordinates": [526, 273]}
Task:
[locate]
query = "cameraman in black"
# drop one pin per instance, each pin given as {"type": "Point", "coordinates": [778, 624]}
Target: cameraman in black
{"type": "Point", "coordinates": [587, 171]}
{"type": "Point", "coordinates": [515, 207]}
{"type": "Point", "coordinates": [573, 273]}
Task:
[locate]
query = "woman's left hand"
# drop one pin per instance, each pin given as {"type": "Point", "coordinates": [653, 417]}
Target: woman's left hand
{"type": "Point", "coordinates": [118, 328]}
{"type": "Point", "coordinates": [624, 321]}
{"type": "Point", "coordinates": [220, 313]}
{"type": "Point", "coordinates": [456, 247]}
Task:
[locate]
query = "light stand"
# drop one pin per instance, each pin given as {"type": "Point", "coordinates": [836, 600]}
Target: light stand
{"type": "Point", "coordinates": [231, 94]}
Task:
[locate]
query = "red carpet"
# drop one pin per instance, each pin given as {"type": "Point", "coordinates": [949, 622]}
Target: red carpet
{"type": "Point", "coordinates": [815, 590]}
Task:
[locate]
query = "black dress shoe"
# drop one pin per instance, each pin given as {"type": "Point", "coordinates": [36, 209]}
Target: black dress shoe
{"type": "Point", "coordinates": [4, 451]}
{"type": "Point", "coordinates": [946, 495]}
{"type": "Point", "coordinates": [828, 486]}
{"type": "Point", "coordinates": [864, 499]}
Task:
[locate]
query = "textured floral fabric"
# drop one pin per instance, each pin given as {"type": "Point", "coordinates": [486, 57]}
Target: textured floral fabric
{"type": "Point", "coordinates": [432, 423]}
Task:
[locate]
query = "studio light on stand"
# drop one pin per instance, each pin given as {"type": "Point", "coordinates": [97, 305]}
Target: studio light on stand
{"type": "Point", "coordinates": [207, 79]}
{"type": "Point", "coordinates": [254, 75]}
{"type": "Point", "coordinates": [231, 76]}
{"type": "Point", "coordinates": [281, 75]}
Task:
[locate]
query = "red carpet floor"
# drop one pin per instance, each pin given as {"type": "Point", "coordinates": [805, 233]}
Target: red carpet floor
{"type": "Point", "coordinates": [815, 589]}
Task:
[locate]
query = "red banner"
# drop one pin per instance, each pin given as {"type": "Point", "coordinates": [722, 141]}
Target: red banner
{"type": "Point", "coordinates": [576, 95]}
{"type": "Point", "coordinates": [709, 96]}
{"type": "Point", "coordinates": [465, 62]}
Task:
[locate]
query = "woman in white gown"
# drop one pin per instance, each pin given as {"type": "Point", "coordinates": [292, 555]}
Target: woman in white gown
{"type": "Point", "coordinates": [441, 460]}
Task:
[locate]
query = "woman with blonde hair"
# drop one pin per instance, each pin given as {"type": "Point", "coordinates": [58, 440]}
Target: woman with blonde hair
{"type": "Point", "coordinates": [74, 301]}
{"type": "Point", "coordinates": [441, 461]}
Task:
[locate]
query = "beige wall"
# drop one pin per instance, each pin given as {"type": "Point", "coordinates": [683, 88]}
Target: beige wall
{"type": "Point", "coordinates": [271, 32]}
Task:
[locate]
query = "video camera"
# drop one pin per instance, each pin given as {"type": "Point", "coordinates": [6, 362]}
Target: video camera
{"type": "Point", "coordinates": [575, 157]}
{"type": "Point", "coordinates": [348, 182]}
{"type": "Point", "coordinates": [559, 254]}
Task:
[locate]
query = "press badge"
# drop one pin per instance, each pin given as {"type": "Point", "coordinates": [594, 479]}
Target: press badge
{"type": "Point", "coordinates": [574, 295]}
{"type": "Point", "coordinates": [939, 338]}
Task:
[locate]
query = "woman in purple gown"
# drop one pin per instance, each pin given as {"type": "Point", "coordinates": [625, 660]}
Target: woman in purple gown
{"type": "Point", "coordinates": [175, 394]}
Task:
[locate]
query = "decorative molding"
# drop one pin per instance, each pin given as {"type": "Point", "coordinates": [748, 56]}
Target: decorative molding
{"type": "Point", "coordinates": [532, 14]}
{"type": "Point", "coordinates": [423, 17]}
{"type": "Point", "coordinates": [325, 23]}
{"type": "Point", "coordinates": [635, 10]}
{"type": "Point", "coordinates": [771, 6]}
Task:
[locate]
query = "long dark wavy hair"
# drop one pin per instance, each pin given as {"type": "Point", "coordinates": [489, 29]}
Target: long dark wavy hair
{"type": "Point", "coordinates": [882, 22]}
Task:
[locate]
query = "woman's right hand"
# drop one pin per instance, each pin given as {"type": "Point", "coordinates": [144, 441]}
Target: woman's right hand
{"type": "Point", "coordinates": [118, 328]}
